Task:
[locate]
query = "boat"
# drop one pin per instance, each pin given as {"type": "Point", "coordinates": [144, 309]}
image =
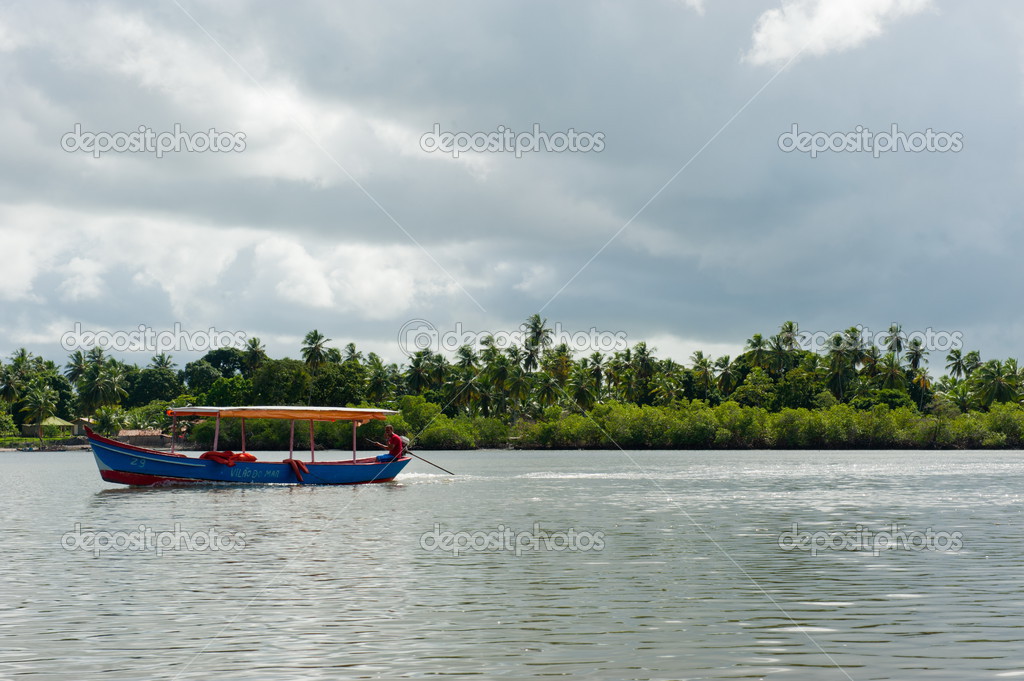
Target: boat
{"type": "Point", "coordinates": [131, 465]}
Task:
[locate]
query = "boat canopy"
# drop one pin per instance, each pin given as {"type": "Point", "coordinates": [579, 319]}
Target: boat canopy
{"type": "Point", "coordinates": [358, 414]}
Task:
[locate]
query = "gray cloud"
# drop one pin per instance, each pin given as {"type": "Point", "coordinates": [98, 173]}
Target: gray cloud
{"type": "Point", "coordinates": [279, 238]}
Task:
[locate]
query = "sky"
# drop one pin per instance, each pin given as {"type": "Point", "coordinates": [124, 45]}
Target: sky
{"type": "Point", "coordinates": [694, 204]}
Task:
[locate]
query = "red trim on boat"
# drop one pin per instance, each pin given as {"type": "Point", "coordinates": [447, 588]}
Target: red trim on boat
{"type": "Point", "coordinates": [144, 480]}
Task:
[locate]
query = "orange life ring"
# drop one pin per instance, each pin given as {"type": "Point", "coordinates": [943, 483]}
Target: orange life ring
{"type": "Point", "coordinates": [226, 457]}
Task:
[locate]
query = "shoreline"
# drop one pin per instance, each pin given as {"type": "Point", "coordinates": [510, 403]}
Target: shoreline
{"type": "Point", "coordinates": [552, 450]}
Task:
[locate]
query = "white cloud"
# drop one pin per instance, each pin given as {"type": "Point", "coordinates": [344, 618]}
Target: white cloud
{"type": "Point", "coordinates": [291, 133]}
{"type": "Point", "coordinates": [189, 265]}
{"type": "Point", "coordinates": [696, 5]}
{"type": "Point", "coordinates": [26, 254]}
{"type": "Point", "coordinates": [536, 280]}
{"type": "Point", "coordinates": [300, 278]}
{"type": "Point", "coordinates": [680, 348]}
{"type": "Point", "coordinates": [181, 259]}
{"type": "Point", "coordinates": [84, 280]}
{"type": "Point", "coordinates": [822, 26]}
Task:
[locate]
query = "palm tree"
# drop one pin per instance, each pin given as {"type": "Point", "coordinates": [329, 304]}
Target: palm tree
{"type": "Point", "coordinates": [972, 361]}
{"type": "Point", "coordinates": [857, 349]}
{"type": "Point", "coordinates": [537, 332]}
{"type": "Point", "coordinates": [778, 355]}
{"type": "Point", "coordinates": [916, 354]}
{"type": "Point", "coordinates": [515, 355]}
{"type": "Point", "coordinates": [728, 377]}
{"type": "Point", "coordinates": [960, 395]}
{"type": "Point", "coordinates": [617, 373]}
{"type": "Point", "coordinates": [491, 352]}
{"type": "Point", "coordinates": [379, 383]}
{"type": "Point", "coordinates": [1015, 372]}
{"type": "Point", "coordinates": [466, 357]}
{"type": "Point", "coordinates": [40, 402]}
{"type": "Point", "coordinates": [703, 372]}
{"type": "Point", "coordinates": [109, 420]}
{"type": "Point", "coordinates": [581, 388]}
{"type": "Point", "coordinates": [811, 362]}
{"type": "Point", "coordinates": [102, 384]}
{"type": "Point", "coordinates": [162, 361]}
{"type": "Point", "coordinates": [417, 376]}
{"type": "Point", "coordinates": [547, 391]}
{"type": "Point", "coordinates": [537, 338]}
{"type": "Point", "coordinates": [314, 349]}
{"type": "Point", "coordinates": [467, 390]}
{"type": "Point", "coordinates": [255, 353]}
{"type": "Point", "coordinates": [790, 333]}
{"type": "Point", "coordinates": [891, 373]}
{"type": "Point", "coordinates": [531, 355]}
{"type": "Point", "coordinates": [596, 368]}
{"type": "Point", "coordinates": [870, 359]}
{"type": "Point", "coordinates": [665, 389]}
{"type": "Point", "coordinates": [995, 383]}
{"type": "Point", "coordinates": [352, 354]}
{"type": "Point", "coordinates": [497, 371]}
{"type": "Point", "coordinates": [955, 364]}
{"type": "Point", "coordinates": [315, 353]}
{"type": "Point", "coordinates": [757, 348]}
{"type": "Point", "coordinates": [924, 383]}
{"type": "Point", "coordinates": [841, 365]}
{"type": "Point", "coordinates": [95, 356]}
{"type": "Point", "coordinates": [893, 340]}
{"type": "Point", "coordinates": [438, 370]}
{"type": "Point", "coordinates": [559, 364]}
{"type": "Point", "coordinates": [518, 388]}
{"type": "Point", "coordinates": [643, 363]}
{"type": "Point", "coordinates": [10, 384]}
{"type": "Point", "coordinates": [76, 366]}
{"type": "Point", "coordinates": [20, 361]}
{"type": "Point", "coordinates": [629, 386]}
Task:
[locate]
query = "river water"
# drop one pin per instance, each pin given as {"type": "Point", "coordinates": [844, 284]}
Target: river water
{"type": "Point", "coordinates": [597, 565]}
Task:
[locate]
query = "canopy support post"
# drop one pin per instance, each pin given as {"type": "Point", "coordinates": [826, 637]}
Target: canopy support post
{"type": "Point", "coordinates": [291, 440]}
{"type": "Point", "coordinates": [243, 435]}
{"type": "Point", "coordinates": [355, 424]}
{"type": "Point", "coordinates": [216, 433]}
{"type": "Point", "coordinates": [312, 455]}
{"type": "Point", "coordinates": [174, 431]}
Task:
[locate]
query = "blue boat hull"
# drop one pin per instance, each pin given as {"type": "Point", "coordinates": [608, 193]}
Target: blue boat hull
{"type": "Point", "coordinates": [129, 465]}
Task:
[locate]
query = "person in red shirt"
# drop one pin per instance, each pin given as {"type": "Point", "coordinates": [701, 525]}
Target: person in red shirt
{"type": "Point", "coordinates": [394, 445]}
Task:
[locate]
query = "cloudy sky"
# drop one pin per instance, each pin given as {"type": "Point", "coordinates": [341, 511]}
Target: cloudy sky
{"type": "Point", "coordinates": [689, 228]}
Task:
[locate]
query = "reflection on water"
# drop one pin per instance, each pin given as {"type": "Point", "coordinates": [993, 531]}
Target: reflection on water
{"type": "Point", "coordinates": [334, 582]}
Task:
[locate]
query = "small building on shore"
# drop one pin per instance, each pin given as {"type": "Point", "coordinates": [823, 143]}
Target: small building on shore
{"type": "Point", "coordinates": [144, 438]}
{"type": "Point", "coordinates": [32, 430]}
{"type": "Point", "coordinates": [81, 423]}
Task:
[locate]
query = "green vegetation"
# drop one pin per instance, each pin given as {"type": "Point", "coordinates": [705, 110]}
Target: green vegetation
{"type": "Point", "coordinates": [775, 394]}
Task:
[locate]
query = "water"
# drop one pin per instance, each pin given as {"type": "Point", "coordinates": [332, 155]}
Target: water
{"type": "Point", "coordinates": [689, 583]}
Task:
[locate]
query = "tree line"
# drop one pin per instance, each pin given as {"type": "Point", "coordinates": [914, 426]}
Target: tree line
{"type": "Point", "coordinates": [540, 393]}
